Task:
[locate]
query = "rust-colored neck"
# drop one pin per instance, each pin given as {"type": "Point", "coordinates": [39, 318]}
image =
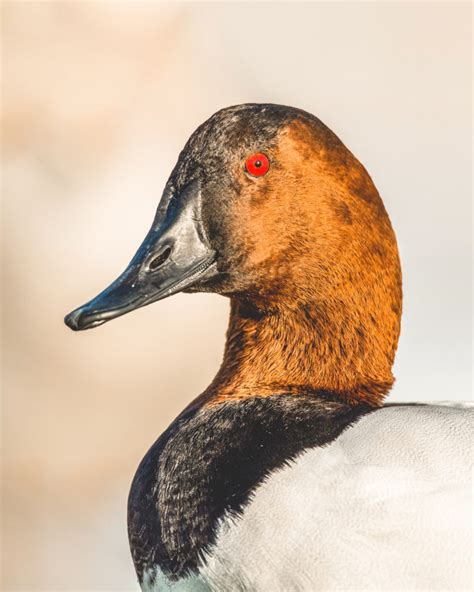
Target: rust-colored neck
{"type": "Point", "coordinates": [300, 350]}
{"type": "Point", "coordinates": [316, 292]}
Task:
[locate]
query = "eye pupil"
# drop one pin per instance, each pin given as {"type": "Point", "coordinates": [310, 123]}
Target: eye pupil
{"type": "Point", "coordinates": [258, 163]}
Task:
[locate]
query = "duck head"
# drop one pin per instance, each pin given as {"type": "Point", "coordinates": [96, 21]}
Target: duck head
{"type": "Point", "coordinates": [267, 206]}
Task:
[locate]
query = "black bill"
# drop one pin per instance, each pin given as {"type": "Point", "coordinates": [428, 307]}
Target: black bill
{"type": "Point", "coordinates": [175, 255]}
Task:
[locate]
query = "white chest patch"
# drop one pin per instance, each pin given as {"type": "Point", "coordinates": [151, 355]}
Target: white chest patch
{"type": "Point", "coordinates": [386, 506]}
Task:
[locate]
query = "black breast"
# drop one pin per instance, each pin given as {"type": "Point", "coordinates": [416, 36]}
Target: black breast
{"type": "Point", "coordinates": [209, 461]}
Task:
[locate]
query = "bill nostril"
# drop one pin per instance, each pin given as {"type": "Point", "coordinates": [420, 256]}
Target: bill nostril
{"type": "Point", "coordinates": [159, 259]}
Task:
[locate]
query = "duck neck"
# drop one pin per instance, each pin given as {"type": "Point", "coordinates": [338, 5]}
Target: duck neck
{"type": "Point", "coordinates": [302, 350]}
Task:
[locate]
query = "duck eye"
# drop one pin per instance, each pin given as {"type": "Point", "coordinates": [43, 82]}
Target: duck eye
{"type": "Point", "coordinates": [257, 164]}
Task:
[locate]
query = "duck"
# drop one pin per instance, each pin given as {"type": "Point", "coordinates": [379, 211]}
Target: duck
{"type": "Point", "coordinates": [290, 472]}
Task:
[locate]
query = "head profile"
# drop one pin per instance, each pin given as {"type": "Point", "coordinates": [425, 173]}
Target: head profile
{"type": "Point", "coordinates": [266, 205]}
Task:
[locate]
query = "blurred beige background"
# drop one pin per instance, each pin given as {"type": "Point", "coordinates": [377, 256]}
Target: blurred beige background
{"type": "Point", "coordinates": [98, 99]}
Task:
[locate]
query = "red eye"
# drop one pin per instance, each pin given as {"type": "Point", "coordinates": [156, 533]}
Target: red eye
{"type": "Point", "coordinates": [257, 164]}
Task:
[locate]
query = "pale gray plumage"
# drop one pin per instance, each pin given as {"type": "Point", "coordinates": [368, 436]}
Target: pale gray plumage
{"type": "Point", "coordinates": [385, 506]}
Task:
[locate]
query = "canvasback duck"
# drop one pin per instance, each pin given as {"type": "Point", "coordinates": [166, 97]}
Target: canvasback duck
{"type": "Point", "coordinates": [289, 473]}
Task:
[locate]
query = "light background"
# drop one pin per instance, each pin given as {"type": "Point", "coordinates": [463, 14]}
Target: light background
{"type": "Point", "coordinates": [98, 99]}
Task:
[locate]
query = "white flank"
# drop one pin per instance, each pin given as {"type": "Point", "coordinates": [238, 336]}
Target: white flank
{"type": "Point", "coordinates": [386, 506]}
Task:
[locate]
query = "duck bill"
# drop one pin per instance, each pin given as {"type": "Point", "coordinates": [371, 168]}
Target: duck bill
{"type": "Point", "coordinates": [174, 256]}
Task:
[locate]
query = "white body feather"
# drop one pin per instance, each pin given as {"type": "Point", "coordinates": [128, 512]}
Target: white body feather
{"type": "Point", "coordinates": [386, 506]}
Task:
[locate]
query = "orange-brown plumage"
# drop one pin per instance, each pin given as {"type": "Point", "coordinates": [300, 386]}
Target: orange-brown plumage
{"type": "Point", "coordinates": [305, 251]}
{"type": "Point", "coordinates": [324, 308]}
